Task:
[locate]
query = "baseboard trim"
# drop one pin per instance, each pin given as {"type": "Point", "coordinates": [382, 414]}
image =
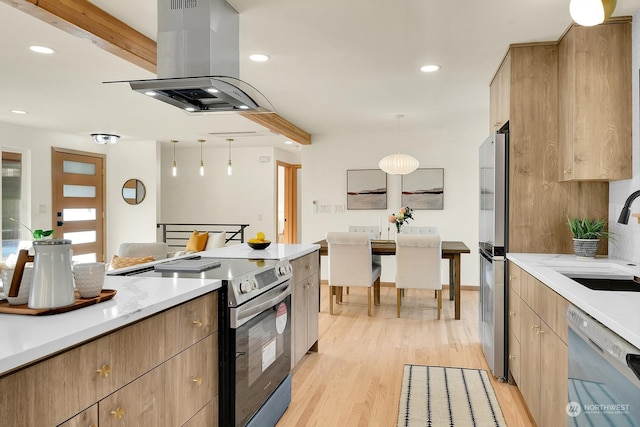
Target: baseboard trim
{"type": "Point", "coordinates": [393, 285]}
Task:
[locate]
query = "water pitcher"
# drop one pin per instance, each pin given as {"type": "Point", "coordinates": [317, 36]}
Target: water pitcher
{"type": "Point", "coordinates": [52, 284]}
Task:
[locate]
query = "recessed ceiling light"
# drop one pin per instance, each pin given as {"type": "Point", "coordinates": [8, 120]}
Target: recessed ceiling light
{"type": "Point", "coordinates": [151, 93]}
{"type": "Point", "coordinates": [243, 107]}
{"type": "Point", "coordinates": [429, 68]}
{"type": "Point", "coordinates": [288, 142]}
{"type": "Point", "coordinates": [212, 90]}
{"type": "Point", "coordinates": [42, 49]}
{"type": "Point", "coordinates": [191, 109]}
{"type": "Point", "coordinates": [259, 57]}
{"type": "Point", "coordinates": [18, 112]}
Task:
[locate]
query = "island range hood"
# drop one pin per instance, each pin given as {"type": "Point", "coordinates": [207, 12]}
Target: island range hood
{"type": "Point", "coordinates": [198, 60]}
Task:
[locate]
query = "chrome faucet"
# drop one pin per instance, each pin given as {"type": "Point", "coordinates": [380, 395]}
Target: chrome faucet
{"type": "Point", "coordinates": [626, 210]}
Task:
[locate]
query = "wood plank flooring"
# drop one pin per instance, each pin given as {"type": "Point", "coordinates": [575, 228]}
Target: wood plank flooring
{"type": "Point", "coordinates": [355, 378]}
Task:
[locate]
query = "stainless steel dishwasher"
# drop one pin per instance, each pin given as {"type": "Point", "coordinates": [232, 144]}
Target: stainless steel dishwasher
{"type": "Point", "coordinates": [604, 375]}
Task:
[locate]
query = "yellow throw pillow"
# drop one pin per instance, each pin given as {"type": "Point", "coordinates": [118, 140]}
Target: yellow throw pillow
{"type": "Point", "coordinates": [125, 261]}
{"type": "Point", "coordinates": [197, 242]}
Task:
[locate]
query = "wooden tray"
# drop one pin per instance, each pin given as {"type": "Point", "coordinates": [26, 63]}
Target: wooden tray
{"type": "Point", "coordinates": [105, 295]}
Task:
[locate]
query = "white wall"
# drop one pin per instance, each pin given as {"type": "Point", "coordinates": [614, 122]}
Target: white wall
{"type": "Point", "coordinates": [130, 223]}
{"type": "Point", "coordinates": [627, 240]}
{"type": "Point", "coordinates": [127, 159]}
{"type": "Point", "coordinates": [326, 161]}
{"type": "Point", "coordinates": [248, 196]}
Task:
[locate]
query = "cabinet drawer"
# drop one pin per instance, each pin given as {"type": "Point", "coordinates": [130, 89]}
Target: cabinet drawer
{"type": "Point", "coordinates": [305, 266]}
{"type": "Point", "coordinates": [529, 290]}
{"type": "Point", "coordinates": [190, 322]}
{"type": "Point", "coordinates": [514, 358]}
{"type": "Point", "coordinates": [514, 314]}
{"type": "Point", "coordinates": [515, 278]}
{"type": "Point", "coordinates": [207, 417]}
{"type": "Point", "coordinates": [86, 418]}
{"type": "Point", "coordinates": [140, 403]}
{"type": "Point", "coordinates": [192, 380]}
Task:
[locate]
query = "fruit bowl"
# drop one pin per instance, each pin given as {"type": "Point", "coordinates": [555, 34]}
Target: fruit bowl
{"type": "Point", "coordinates": [259, 245]}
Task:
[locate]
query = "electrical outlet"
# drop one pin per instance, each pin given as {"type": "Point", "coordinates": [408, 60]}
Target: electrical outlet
{"type": "Point", "coordinates": [338, 208]}
{"type": "Point", "coordinates": [324, 209]}
{"type": "Point", "coordinates": [42, 209]}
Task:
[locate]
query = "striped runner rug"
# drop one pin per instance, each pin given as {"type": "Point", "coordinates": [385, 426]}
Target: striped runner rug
{"type": "Point", "coordinates": [436, 396]}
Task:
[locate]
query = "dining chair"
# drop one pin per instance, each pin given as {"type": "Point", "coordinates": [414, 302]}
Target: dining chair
{"type": "Point", "coordinates": [418, 265]}
{"type": "Point", "coordinates": [414, 229]}
{"type": "Point", "coordinates": [351, 264]}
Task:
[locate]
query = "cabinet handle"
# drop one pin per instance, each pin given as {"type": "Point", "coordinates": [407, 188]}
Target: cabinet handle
{"type": "Point", "coordinates": [197, 380]}
{"type": "Point", "coordinates": [512, 313]}
{"type": "Point", "coordinates": [511, 357]}
{"type": "Point", "coordinates": [535, 326]}
{"type": "Point", "coordinates": [104, 371]}
{"type": "Point", "coordinates": [118, 414]}
{"type": "Point", "coordinates": [540, 332]}
{"type": "Point", "coordinates": [93, 425]}
{"type": "Point", "coordinates": [496, 124]}
{"type": "Point", "coordinates": [567, 171]}
{"type": "Point", "coordinates": [197, 322]}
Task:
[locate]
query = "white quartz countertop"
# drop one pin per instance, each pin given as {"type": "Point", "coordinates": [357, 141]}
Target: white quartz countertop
{"type": "Point", "coordinates": [25, 338]}
{"type": "Point", "coordinates": [274, 251]}
{"type": "Point", "coordinates": [619, 311]}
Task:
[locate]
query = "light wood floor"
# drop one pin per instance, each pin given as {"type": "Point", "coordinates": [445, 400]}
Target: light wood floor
{"type": "Point", "coordinates": [355, 378]}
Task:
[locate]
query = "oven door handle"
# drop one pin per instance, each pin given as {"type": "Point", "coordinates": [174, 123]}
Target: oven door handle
{"type": "Point", "coordinates": [242, 314]}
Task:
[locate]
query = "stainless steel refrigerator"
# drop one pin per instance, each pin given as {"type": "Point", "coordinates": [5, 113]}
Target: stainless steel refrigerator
{"type": "Point", "coordinates": [493, 248]}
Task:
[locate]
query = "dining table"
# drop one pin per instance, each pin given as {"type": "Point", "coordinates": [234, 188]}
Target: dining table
{"type": "Point", "coordinates": [451, 250]}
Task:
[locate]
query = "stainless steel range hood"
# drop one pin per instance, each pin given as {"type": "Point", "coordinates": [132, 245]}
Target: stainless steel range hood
{"type": "Point", "coordinates": [198, 60]}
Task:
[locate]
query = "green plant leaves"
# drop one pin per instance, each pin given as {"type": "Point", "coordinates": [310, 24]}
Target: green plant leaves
{"type": "Point", "coordinates": [584, 228]}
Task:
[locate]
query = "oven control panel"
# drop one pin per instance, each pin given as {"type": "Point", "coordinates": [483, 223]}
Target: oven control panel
{"type": "Point", "coordinates": [249, 285]}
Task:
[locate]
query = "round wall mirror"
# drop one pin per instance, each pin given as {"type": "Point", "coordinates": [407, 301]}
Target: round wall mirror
{"type": "Point", "coordinates": [133, 191]}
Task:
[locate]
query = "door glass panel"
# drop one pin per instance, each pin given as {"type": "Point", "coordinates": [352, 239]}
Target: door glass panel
{"type": "Point", "coordinates": [78, 214]}
{"type": "Point", "coordinates": [78, 167]}
{"type": "Point", "coordinates": [81, 259]}
{"type": "Point", "coordinates": [78, 237]}
{"type": "Point", "coordinates": [78, 191]}
{"type": "Point", "coordinates": [11, 202]}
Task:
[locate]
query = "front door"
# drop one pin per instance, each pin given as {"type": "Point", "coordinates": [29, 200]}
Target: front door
{"type": "Point", "coordinates": [78, 201]}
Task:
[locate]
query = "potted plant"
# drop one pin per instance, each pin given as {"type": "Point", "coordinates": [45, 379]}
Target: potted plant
{"type": "Point", "coordinates": [586, 235]}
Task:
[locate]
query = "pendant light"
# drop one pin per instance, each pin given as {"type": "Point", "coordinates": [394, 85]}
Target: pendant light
{"type": "Point", "coordinates": [201, 141]}
{"type": "Point", "coordinates": [398, 164]}
{"type": "Point", "coordinates": [591, 12]}
{"type": "Point", "coordinates": [229, 170]}
{"type": "Point", "coordinates": [174, 169]}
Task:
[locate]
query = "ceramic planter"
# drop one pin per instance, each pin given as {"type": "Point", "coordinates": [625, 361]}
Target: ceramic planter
{"type": "Point", "coordinates": [586, 248]}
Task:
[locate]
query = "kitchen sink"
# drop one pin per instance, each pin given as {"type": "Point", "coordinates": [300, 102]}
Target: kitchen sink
{"type": "Point", "coordinates": [609, 284]}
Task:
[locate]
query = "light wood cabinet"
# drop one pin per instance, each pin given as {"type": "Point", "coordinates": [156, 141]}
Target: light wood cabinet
{"type": "Point", "coordinates": [86, 418]}
{"type": "Point", "coordinates": [538, 203]}
{"type": "Point", "coordinates": [306, 299]}
{"type": "Point", "coordinates": [538, 357]}
{"type": "Point", "coordinates": [595, 102]}
{"type": "Point", "coordinates": [204, 417]}
{"type": "Point", "coordinates": [125, 368]}
{"type": "Point", "coordinates": [499, 92]}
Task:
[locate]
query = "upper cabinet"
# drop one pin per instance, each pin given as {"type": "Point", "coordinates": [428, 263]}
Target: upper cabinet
{"type": "Point", "coordinates": [594, 102]}
{"type": "Point", "coordinates": [499, 94]}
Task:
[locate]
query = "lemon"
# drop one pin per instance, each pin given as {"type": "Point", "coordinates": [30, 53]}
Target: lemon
{"type": "Point", "coordinates": [260, 235]}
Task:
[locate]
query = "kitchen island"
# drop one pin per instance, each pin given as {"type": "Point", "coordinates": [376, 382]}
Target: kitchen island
{"type": "Point", "coordinates": [127, 356]}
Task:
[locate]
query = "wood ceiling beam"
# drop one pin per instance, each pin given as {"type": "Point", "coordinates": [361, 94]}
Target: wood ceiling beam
{"type": "Point", "coordinates": [83, 19]}
{"type": "Point", "coordinates": [278, 124]}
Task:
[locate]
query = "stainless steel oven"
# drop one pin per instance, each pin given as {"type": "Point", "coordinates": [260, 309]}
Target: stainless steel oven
{"type": "Point", "coordinates": [254, 319]}
{"type": "Point", "coordinates": [604, 375]}
{"type": "Point", "coordinates": [260, 340]}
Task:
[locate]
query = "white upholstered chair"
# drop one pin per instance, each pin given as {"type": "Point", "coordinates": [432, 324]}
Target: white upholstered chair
{"type": "Point", "coordinates": [351, 264]}
{"type": "Point", "coordinates": [418, 264]}
{"type": "Point", "coordinates": [414, 229]}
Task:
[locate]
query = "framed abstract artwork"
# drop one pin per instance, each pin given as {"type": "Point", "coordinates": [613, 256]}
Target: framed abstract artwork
{"type": "Point", "coordinates": [424, 189]}
{"type": "Point", "coordinates": [366, 189]}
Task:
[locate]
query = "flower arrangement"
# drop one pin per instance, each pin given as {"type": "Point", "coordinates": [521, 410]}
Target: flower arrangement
{"type": "Point", "coordinates": [404, 214]}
